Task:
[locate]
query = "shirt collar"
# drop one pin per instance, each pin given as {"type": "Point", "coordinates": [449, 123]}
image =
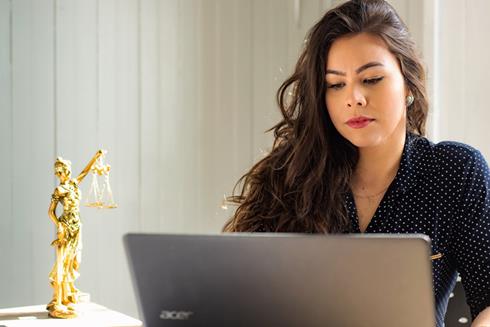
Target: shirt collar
{"type": "Point", "coordinates": [406, 177]}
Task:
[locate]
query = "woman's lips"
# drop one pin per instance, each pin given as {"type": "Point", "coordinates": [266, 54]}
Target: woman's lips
{"type": "Point", "coordinates": [359, 122]}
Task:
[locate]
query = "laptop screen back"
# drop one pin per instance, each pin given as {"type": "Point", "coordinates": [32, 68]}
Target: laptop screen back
{"type": "Point", "coordinates": [282, 280]}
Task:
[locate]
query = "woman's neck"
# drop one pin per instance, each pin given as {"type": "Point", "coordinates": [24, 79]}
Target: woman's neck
{"type": "Point", "coordinates": [377, 166]}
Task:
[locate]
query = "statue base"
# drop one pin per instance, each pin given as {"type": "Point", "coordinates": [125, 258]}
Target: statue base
{"type": "Point", "coordinates": [67, 311]}
{"type": "Point", "coordinates": [62, 312]}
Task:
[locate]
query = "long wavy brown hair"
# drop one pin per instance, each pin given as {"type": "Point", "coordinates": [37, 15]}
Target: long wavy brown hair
{"type": "Point", "coordinates": [300, 185]}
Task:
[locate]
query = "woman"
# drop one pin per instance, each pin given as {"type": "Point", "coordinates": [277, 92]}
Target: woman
{"type": "Point", "coordinates": [349, 154]}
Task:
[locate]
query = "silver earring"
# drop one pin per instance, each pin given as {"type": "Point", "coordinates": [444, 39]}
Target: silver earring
{"type": "Point", "coordinates": [409, 100]}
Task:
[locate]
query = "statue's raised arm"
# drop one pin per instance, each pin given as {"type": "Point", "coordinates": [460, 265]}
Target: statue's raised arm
{"type": "Point", "coordinates": [90, 165]}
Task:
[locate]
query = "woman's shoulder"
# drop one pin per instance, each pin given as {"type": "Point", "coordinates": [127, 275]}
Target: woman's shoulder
{"type": "Point", "coordinates": [450, 167]}
{"type": "Point", "coordinates": [455, 150]}
{"type": "Point", "coordinates": [448, 161]}
{"type": "Point", "coordinates": [448, 152]}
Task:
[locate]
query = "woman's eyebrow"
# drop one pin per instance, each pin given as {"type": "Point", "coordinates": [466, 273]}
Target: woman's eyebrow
{"type": "Point", "coordinates": [358, 70]}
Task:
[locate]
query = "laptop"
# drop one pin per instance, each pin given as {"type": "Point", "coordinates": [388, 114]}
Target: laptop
{"type": "Point", "coordinates": [282, 280]}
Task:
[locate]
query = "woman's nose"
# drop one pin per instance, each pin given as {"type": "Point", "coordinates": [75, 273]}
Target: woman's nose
{"type": "Point", "coordinates": [355, 98]}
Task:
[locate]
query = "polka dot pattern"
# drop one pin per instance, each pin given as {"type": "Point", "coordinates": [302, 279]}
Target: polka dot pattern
{"type": "Point", "coordinates": [443, 191]}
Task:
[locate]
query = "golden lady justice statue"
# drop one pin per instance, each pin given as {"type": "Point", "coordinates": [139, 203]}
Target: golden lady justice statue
{"type": "Point", "coordinates": [68, 244]}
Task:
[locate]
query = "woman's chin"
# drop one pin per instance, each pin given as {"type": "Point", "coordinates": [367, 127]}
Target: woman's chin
{"type": "Point", "coordinates": [365, 141]}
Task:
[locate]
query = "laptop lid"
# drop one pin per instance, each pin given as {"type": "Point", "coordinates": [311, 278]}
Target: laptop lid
{"type": "Point", "coordinates": [282, 280]}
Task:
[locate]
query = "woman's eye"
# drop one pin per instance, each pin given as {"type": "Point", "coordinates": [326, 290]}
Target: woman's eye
{"type": "Point", "coordinates": [335, 86]}
{"type": "Point", "coordinates": [372, 81]}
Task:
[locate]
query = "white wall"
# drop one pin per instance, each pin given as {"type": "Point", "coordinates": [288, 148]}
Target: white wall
{"type": "Point", "coordinates": [180, 94]}
{"type": "Point", "coordinates": [464, 52]}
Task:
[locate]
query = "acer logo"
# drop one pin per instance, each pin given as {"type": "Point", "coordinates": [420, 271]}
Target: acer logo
{"type": "Point", "coordinates": [175, 315]}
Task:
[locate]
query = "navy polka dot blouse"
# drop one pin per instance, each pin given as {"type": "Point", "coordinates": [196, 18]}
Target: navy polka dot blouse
{"type": "Point", "coordinates": [442, 190]}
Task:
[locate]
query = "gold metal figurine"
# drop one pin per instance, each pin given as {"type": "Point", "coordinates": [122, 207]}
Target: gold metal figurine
{"type": "Point", "coordinates": [68, 244]}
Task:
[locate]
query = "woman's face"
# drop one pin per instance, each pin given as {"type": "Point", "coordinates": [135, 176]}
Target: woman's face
{"type": "Point", "coordinates": [366, 91]}
{"type": "Point", "coordinates": [62, 172]}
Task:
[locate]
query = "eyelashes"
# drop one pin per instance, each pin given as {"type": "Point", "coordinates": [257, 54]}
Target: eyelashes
{"type": "Point", "coordinates": [367, 81]}
{"type": "Point", "coordinates": [335, 86]}
{"type": "Point", "coordinates": [372, 81]}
